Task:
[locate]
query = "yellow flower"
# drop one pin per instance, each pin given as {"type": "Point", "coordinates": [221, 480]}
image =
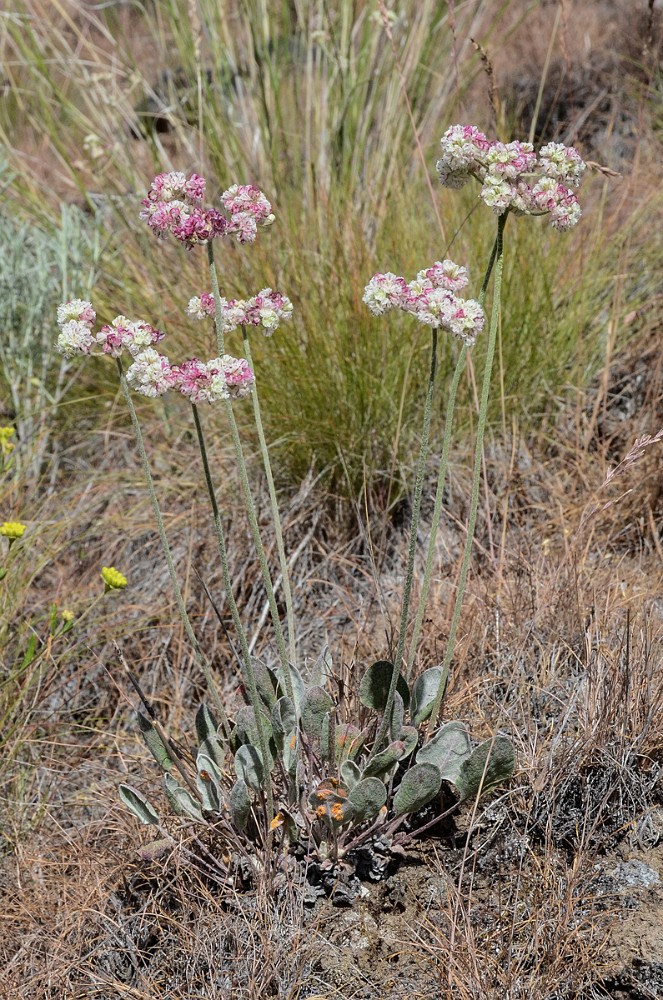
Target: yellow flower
{"type": "Point", "coordinates": [6, 446]}
{"type": "Point", "coordinates": [12, 530]}
{"type": "Point", "coordinates": [113, 579]}
{"type": "Point", "coordinates": [67, 616]}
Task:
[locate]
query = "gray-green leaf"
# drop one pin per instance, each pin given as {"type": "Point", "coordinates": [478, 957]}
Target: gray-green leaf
{"type": "Point", "coordinates": [448, 750]}
{"type": "Point", "coordinates": [419, 785]}
{"type": "Point", "coordinates": [240, 804]}
{"type": "Point", "coordinates": [154, 743]}
{"type": "Point", "coordinates": [367, 798]}
{"type": "Point", "coordinates": [248, 766]}
{"type": "Point", "coordinates": [136, 803]}
{"type": "Point", "coordinates": [182, 802]}
{"type": "Point", "coordinates": [316, 704]}
{"type": "Point", "coordinates": [424, 694]}
{"type": "Point", "coordinates": [374, 686]}
{"type": "Point", "coordinates": [490, 764]}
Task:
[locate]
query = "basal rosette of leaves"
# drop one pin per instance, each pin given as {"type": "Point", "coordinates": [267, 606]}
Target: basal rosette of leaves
{"type": "Point", "coordinates": [331, 794]}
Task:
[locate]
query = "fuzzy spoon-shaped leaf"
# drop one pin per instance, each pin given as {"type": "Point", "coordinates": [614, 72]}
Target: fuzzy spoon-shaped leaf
{"type": "Point", "coordinates": [138, 805]}
{"type": "Point", "coordinates": [383, 761]}
{"type": "Point", "coordinates": [322, 669]}
{"type": "Point", "coordinates": [316, 704]}
{"type": "Point", "coordinates": [367, 798]}
{"type": "Point", "coordinates": [154, 743]}
{"type": "Point", "coordinates": [424, 694]}
{"type": "Point", "coordinates": [491, 763]}
{"type": "Point", "coordinates": [265, 682]}
{"type": "Point", "coordinates": [349, 741]}
{"type": "Point", "coordinates": [206, 725]}
{"type": "Point", "coordinates": [181, 800]}
{"type": "Point", "coordinates": [419, 785]}
{"type": "Point", "coordinates": [208, 783]}
{"type": "Point", "coordinates": [410, 737]}
{"type": "Point", "coordinates": [248, 765]}
{"type": "Point", "coordinates": [350, 773]}
{"type": "Point", "coordinates": [284, 720]}
{"type": "Point", "coordinates": [448, 750]}
{"type": "Point", "coordinates": [397, 718]}
{"type": "Point", "coordinates": [240, 804]}
{"type": "Point", "coordinates": [374, 686]}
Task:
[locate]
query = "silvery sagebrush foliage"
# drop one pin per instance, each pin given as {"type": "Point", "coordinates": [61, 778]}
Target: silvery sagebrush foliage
{"type": "Point", "coordinates": [287, 770]}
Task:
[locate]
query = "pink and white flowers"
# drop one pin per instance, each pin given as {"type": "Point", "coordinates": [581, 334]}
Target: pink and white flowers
{"type": "Point", "coordinates": [75, 319]}
{"type": "Point", "coordinates": [150, 374]}
{"type": "Point", "coordinates": [267, 309]}
{"type": "Point", "coordinates": [126, 334]}
{"type": "Point", "coordinates": [512, 176]}
{"type": "Point", "coordinates": [430, 298]}
{"type": "Point", "coordinates": [174, 207]}
{"type": "Point", "coordinates": [221, 378]}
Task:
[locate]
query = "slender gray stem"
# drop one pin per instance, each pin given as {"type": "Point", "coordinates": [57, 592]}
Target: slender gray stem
{"type": "Point", "coordinates": [218, 311]}
{"type": "Point", "coordinates": [439, 491]}
{"type": "Point", "coordinates": [264, 450]}
{"type": "Point", "coordinates": [246, 488]}
{"type": "Point", "coordinates": [437, 509]}
{"type": "Point", "coordinates": [478, 455]}
{"type": "Point", "coordinates": [412, 550]}
{"type": "Point", "coordinates": [156, 510]}
{"type": "Point", "coordinates": [249, 674]}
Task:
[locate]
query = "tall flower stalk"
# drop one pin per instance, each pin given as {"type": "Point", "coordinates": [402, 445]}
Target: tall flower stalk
{"type": "Point", "coordinates": [276, 518]}
{"type": "Point", "coordinates": [249, 674]}
{"type": "Point", "coordinates": [165, 545]}
{"type": "Point", "coordinates": [412, 549]}
{"type": "Point", "coordinates": [442, 474]}
{"type": "Point", "coordinates": [478, 456]}
{"type": "Point", "coordinates": [248, 495]}
{"type": "Point", "coordinates": [431, 298]}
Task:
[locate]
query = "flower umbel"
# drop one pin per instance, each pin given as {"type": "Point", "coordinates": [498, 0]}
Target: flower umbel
{"type": "Point", "coordinates": [113, 579]}
{"type": "Point", "coordinates": [512, 176]}
{"type": "Point", "coordinates": [430, 298]}
{"type": "Point", "coordinates": [267, 309]}
{"type": "Point", "coordinates": [12, 530]}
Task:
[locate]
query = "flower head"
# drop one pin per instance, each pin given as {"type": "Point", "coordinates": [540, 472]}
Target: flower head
{"type": "Point", "coordinates": [150, 374]}
{"type": "Point", "coordinates": [75, 338]}
{"type": "Point", "coordinates": [12, 530]}
{"type": "Point", "coordinates": [221, 378]}
{"type": "Point", "coordinates": [173, 206]}
{"type": "Point", "coordinates": [512, 176]}
{"type": "Point", "coordinates": [430, 298]}
{"type": "Point", "coordinates": [267, 309]}
{"type": "Point", "coordinates": [113, 579]}
{"type": "Point", "coordinates": [248, 208]}
{"type": "Point", "coordinates": [125, 334]}
{"type": "Point", "coordinates": [76, 309]}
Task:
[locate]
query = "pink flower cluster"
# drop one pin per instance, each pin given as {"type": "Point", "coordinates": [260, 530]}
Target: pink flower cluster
{"type": "Point", "coordinates": [248, 209]}
{"type": "Point", "coordinates": [431, 298]}
{"type": "Point", "coordinates": [174, 206]}
{"type": "Point", "coordinates": [513, 176]}
{"type": "Point", "coordinates": [126, 334]}
{"type": "Point", "coordinates": [208, 381]}
{"type": "Point", "coordinates": [75, 319]}
{"type": "Point", "coordinates": [266, 309]}
{"type": "Point", "coordinates": [151, 373]}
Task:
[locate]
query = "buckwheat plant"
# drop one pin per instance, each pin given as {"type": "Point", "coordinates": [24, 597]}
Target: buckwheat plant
{"type": "Point", "coordinates": [288, 771]}
{"type": "Point", "coordinates": [514, 180]}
